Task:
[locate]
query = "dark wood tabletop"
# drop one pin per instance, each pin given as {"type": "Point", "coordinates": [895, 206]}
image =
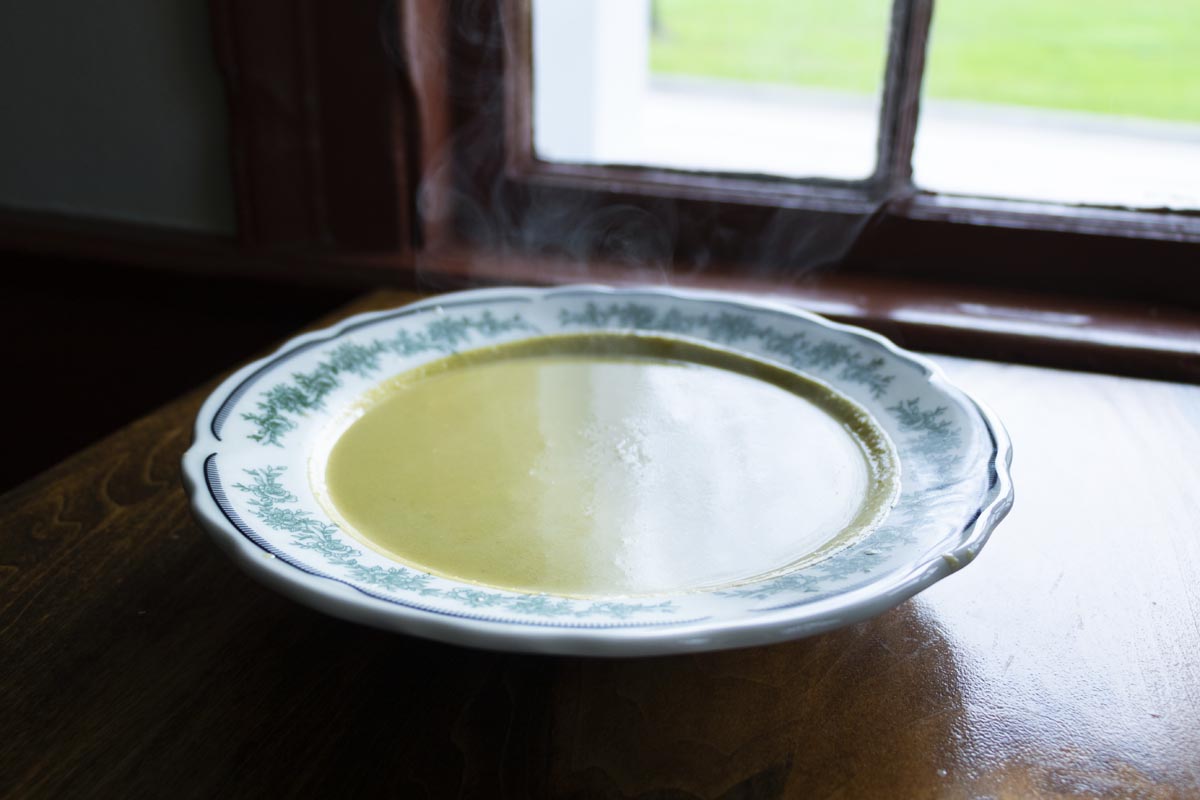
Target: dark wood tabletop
{"type": "Point", "coordinates": [137, 661]}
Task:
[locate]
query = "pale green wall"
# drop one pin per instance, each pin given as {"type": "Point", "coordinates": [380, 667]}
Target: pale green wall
{"type": "Point", "coordinates": [115, 110]}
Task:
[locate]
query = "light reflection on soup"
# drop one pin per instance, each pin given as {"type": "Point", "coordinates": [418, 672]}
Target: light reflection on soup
{"type": "Point", "coordinates": [606, 464]}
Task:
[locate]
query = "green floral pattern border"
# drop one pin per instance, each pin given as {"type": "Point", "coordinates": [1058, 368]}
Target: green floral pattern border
{"type": "Point", "coordinates": [272, 503]}
{"type": "Point", "coordinates": [930, 436]}
{"type": "Point", "coordinates": [278, 406]}
{"type": "Point", "coordinates": [728, 328]}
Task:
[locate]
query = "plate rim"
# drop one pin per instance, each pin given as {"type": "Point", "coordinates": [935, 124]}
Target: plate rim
{"type": "Point", "coordinates": [344, 600]}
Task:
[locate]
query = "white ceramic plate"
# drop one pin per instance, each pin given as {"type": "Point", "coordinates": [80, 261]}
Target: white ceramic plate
{"type": "Point", "coordinates": [247, 475]}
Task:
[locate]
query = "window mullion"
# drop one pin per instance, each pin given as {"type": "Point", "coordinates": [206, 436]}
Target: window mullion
{"type": "Point", "coordinates": [901, 96]}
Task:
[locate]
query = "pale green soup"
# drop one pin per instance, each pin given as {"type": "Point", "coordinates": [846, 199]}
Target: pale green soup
{"type": "Point", "coordinates": [606, 464]}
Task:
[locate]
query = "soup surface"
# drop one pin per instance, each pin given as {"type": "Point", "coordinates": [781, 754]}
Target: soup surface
{"type": "Point", "coordinates": [606, 464]}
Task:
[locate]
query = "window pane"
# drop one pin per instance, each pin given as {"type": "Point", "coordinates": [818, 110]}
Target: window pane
{"type": "Point", "coordinates": [779, 87]}
{"type": "Point", "coordinates": [1064, 100]}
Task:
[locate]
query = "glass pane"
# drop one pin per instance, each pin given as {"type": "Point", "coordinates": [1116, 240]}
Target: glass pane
{"type": "Point", "coordinates": [778, 87]}
{"type": "Point", "coordinates": [1064, 100]}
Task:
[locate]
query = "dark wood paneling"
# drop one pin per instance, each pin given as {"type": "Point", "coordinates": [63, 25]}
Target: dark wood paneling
{"type": "Point", "coordinates": [90, 346]}
{"type": "Point", "coordinates": [320, 122]}
{"type": "Point", "coordinates": [111, 242]}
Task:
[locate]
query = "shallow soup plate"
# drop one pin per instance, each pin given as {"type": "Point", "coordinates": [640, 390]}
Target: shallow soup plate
{"type": "Point", "coordinates": [597, 471]}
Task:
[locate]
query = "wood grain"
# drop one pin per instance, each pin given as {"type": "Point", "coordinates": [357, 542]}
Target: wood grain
{"type": "Point", "coordinates": [136, 661]}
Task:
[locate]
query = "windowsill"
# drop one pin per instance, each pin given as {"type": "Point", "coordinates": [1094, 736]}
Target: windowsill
{"type": "Point", "coordinates": [1073, 332]}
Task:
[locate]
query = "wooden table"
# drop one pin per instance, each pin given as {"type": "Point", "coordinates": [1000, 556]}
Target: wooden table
{"type": "Point", "coordinates": [136, 660]}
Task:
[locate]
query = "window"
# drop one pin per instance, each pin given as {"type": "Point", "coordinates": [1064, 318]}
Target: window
{"type": "Point", "coordinates": [1055, 101]}
{"type": "Point", "coordinates": [773, 87]}
{"type": "Point", "coordinates": [1062, 101]}
{"type": "Point", "coordinates": [507, 194]}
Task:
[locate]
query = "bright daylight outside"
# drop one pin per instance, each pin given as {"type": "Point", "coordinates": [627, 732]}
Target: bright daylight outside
{"type": "Point", "coordinates": [1050, 100]}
